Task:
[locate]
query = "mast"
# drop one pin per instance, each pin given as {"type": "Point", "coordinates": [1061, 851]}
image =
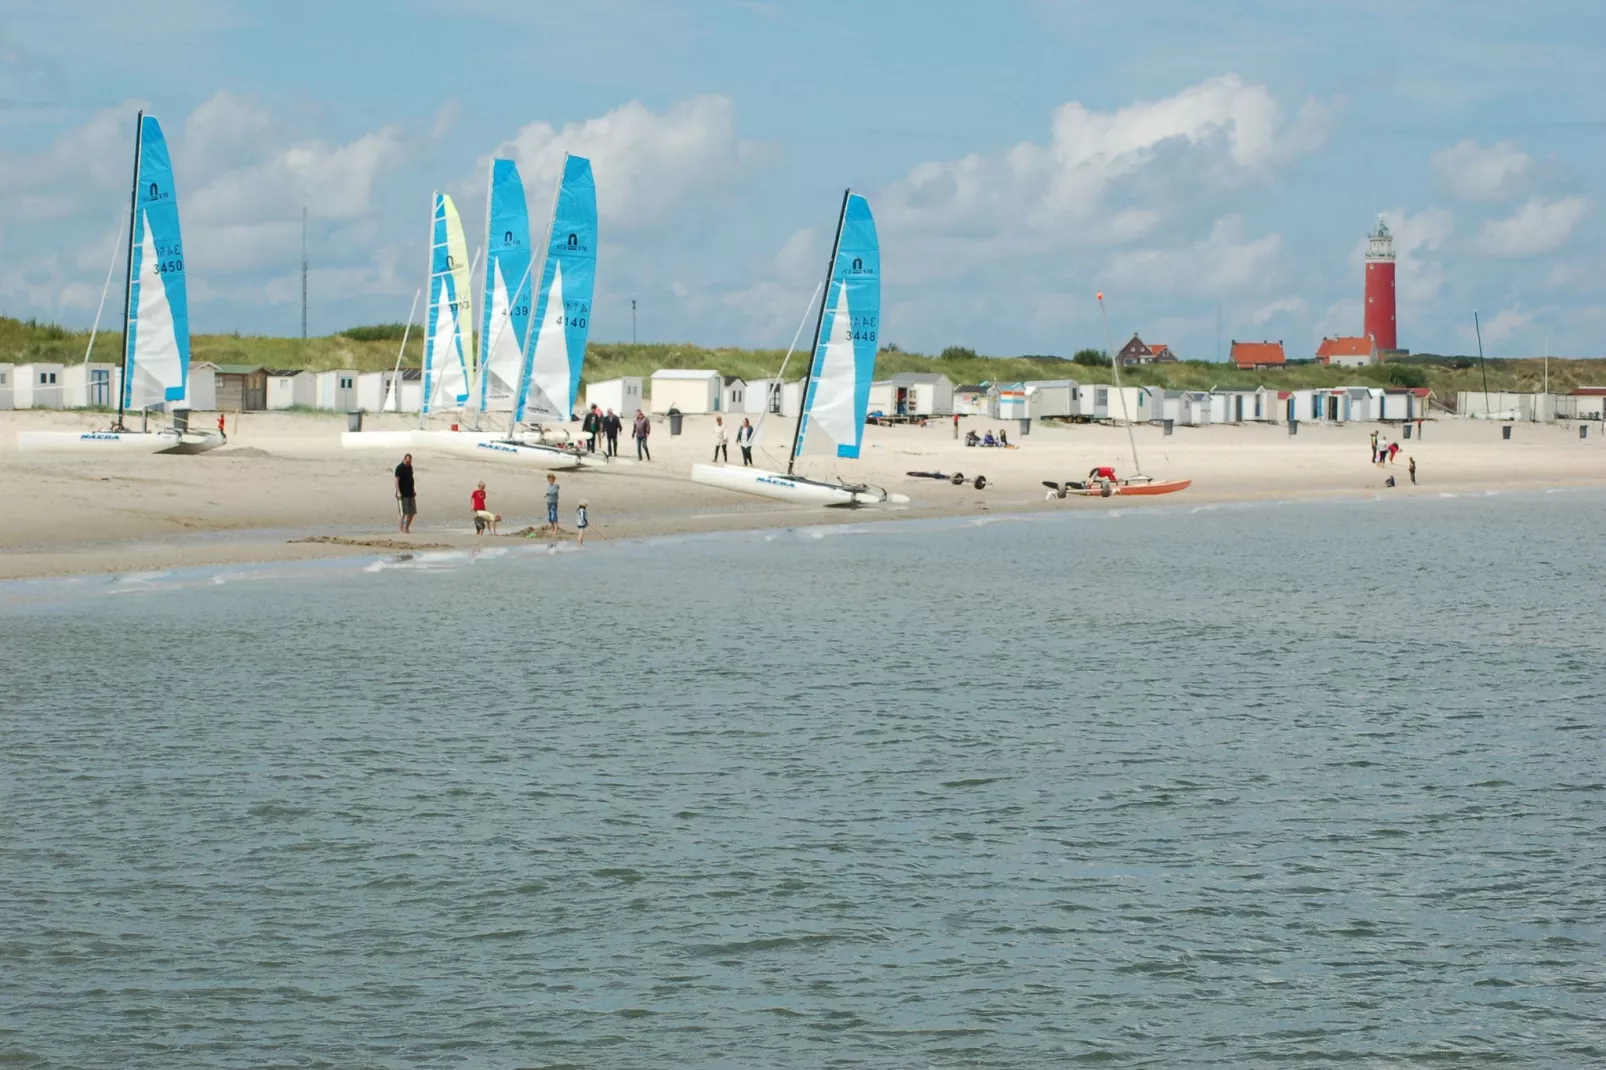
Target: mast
{"type": "Point", "coordinates": [1115, 368]}
{"type": "Point", "coordinates": [483, 353]}
{"type": "Point", "coordinates": [830, 270]}
{"type": "Point", "coordinates": [128, 278]}
{"type": "Point", "coordinates": [534, 332]}
{"type": "Point", "coordinates": [1481, 365]}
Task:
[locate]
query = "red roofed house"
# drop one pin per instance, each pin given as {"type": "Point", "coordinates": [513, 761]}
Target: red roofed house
{"type": "Point", "coordinates": [1252, 356]}
{"type": "Point", "coordinates": [1137, 351]}
{"type": "Point", "coordinates": [1347, 352]}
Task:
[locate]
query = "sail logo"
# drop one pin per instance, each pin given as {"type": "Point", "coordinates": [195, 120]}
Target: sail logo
{"type": "Point", "coordinates": [508, 238]}
{"type": "Point", "coordinates": [858, 268]}
{"type": "Point", "coordinates": [573, 244]}
{"type": "Point", "coordinates": [155, 193]}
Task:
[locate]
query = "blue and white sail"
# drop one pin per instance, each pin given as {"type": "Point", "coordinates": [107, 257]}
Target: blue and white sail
{"type": "Point", "coordinates": [556, 347]}
{"type": "Point", "coordinates": [505, 322]}
{"type": "Point", "coordinates": [446, 349]}
{"type": "Point", "coordinates": [156, 360]}
{"type": "Point", "coordinates": [845, 344]}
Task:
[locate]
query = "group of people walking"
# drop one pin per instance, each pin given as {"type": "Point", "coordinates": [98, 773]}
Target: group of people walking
{"type": "Point", "coordinates": [744, 441]}
{"type": "Point", "coordinates": [607, 425]}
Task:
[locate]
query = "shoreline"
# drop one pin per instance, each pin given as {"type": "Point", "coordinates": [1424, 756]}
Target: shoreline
{"type": "Point", "coordinates": [223, 547]}
{"type": "Point", "coordinates": [284, 478]}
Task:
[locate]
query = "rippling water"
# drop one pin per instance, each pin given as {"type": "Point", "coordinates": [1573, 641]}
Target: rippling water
{"type": "Point", "coordinates": [1238, 787]}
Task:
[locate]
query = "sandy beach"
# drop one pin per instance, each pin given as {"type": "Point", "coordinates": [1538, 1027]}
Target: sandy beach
{"type": "Point", "coordinates": [284, 479]}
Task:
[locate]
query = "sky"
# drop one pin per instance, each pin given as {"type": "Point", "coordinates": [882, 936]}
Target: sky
{"type": "Point", "coordinates": [1212, 168]}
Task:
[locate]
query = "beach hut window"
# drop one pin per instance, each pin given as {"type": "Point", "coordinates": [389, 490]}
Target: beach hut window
{"type": "Point", "coordinates": [345, 382]}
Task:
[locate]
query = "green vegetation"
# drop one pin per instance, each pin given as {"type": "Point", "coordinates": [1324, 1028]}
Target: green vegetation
{"type": "Point", "coordinates": [374, 348]}
{"type": "Point", "coordinates": [1091, 358]}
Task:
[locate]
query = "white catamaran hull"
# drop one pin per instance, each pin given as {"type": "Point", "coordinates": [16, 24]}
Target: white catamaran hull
{"type": "Point", "coordinates": [790, 488]}
{"type": "Point", "coordinates": [377, 440]}
{"type": "Point", "coordinates": [117, 442]}
{"type": "Point", "coordinates": [526, 454]}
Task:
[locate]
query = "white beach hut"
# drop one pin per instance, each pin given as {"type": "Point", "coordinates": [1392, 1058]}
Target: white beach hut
{"type": "Point", "coordinates": [38, 386]}
{"type": "Point", "coordinates": [623, 395]}
{"type": "Point", "coordinates": [690, 390]}
{"type": "Point", "coordinates": [200, 387]}
{"type": "Point", "coordinates": [1053, 397]}
{"type": "Point", "coordinates": [1123, 405]}
{"type": "Point", "coordinates": [8, 374]}
{"type": "Point", "coordinates": [336, 390]}
{"type": "Point", "coordinates": [291, 388]}
{"type": "Point", "coordinates": [92, 385]}
{"type": "Point", "coordinates": [970, 399]}
{"type": "Point", "coordinates": [732, 394]}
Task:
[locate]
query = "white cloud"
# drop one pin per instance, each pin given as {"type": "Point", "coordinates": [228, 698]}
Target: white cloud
{"type": "Point", "coordinates": [1505, 324]}
{"type": "Point", "coordinates": [1161, 154]}
{"type": "Point", "coordinates": [1537, 227]}
{"type": "Point", "coordinates": [1223, 261]}
{"type": "Point", "coordinates": [1477, 173]}
{"type": "Point", "coordinates": [647, 165]}
{"type": "Point", "coordinates": [1287, 306]}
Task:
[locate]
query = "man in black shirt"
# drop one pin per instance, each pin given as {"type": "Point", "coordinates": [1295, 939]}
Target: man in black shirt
{"type": "Point", "coordinates": [610, 427]}
{"type": "Point", "coordinates": [406, 495]}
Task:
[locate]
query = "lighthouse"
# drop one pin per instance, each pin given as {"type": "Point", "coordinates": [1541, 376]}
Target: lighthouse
{"type": "Point", "coordinates": [1380, 288]}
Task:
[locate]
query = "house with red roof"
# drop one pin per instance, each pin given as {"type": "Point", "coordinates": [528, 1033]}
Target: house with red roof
{"type": "Point", "coordinates": [1137, 351]}
{"type": "Point", "coordinates": [1256, 356]}
{"type": "Point", "coordinates": [1355, 352]}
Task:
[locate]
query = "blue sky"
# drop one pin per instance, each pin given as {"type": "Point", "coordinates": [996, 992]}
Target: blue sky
{"type": "Point", "coordinates": [1188, 159]}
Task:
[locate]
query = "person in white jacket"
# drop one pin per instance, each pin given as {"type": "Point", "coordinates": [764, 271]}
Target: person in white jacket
{"type": "Point", "coordinates": [720, 441]}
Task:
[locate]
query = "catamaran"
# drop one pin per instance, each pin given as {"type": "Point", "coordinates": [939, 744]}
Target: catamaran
{"type": "Point", "coordinates": [156, 319]}
{"type": "Point", "coordinates": [446, 348]}
{"type": "Point", "coordinates": [1102, 481]}
{"type": "Point", "coordinates": [535, 372]}
{"type": "Point", "coordinates": [840, 373]}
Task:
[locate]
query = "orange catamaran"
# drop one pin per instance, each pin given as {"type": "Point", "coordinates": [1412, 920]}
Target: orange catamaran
{"type": "Point", "coordinates": [1102, 481]}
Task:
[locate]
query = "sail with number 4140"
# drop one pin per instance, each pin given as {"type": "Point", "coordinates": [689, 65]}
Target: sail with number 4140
{"type": "Point", "coordinates": [555, 349]}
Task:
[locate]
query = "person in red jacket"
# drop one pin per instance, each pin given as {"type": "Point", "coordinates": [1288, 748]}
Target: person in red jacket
{"type": "Point", "coordinates": [483, 517]}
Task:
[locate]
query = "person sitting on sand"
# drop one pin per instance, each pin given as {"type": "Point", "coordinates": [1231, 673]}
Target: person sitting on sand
{"type": "Point", "coordinates": [483, 518]}
{"type": "Point", "coordinates": [989, 440]}
{"type": "Point", "coordinates": [972, 439]}
{"type": "Point", "coordinates": [1003, 439]}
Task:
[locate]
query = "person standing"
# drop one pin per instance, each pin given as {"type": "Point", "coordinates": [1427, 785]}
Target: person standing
{"type": "Point", "coordinates": [582, 520]}
{"type": "Point", "coordinates": [590, 426]}
{"type": "Point", "coordinates": [721, 442]}
{"type": "Point", "coordinates": [551, 503]}
{"type": "Point", "coordinates": [641, 429]}
{"type": "Point", "coordinates": [744, 439]}
{"type": "Point", "coordinates": [406, 495]}
{"type": "Point", "coordinates": [483, 517]}
{"type": "Point", "coordinates": [610, 427]}
{"type": "Point", "coordinates": [1393, 450]}
{"type": "Point", "coordinates": [1374, 447]}
{"type": "Point", "coordinates": [1412, 470]}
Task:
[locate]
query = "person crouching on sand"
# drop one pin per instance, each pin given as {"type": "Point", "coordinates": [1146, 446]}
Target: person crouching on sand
{"type": "Point", "coordinates": [483, 517]}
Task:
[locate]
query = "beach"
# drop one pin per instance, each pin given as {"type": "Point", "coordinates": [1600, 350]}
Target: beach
{"type": "Point", "coordinates": [284, 479]}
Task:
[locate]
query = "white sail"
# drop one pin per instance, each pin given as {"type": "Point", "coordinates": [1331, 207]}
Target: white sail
{"type": "Point", "coordinates": [836, 385]}
{"type": "Point", "coordinates": [503, 358]}
{"type": "Point", "coordinates": [549, 366]}
{"type": "Point", "coordinates": [451, 382]}
{"type": "Point", "coordinates": [158, 363]}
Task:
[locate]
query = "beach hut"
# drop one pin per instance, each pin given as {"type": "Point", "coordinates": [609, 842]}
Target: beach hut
{"type": "Point", "coordinates": [8, 374]}
{"type": "Point", "coordinates": [90, 385]}
{"type": "Point", "coordinates": [1164, 404]}
{"type": "Point", "coordinates": [242, 388]}
{"type": "Point", "coordinates": [336, 390]}
{"type": "Point", "coordinates": [970, 399]}
{"type": "Point", "coordinates": [1008, 401]}
{"type": "Point", "coordinates": [691, 390]}
{"type": "Point", "coordinates": [200, 387]}
{"type": "Point", "coordinates": [1194, 406]}
{"type": "Point", "coordinates": [732, 394]}
{"type": "Point", "coordinates": [1402, 403]}
{"type": "Point", "coordinates": [623, 395]}
{"type": "Point", "coordinates": [1241, 405]}
{"type": "Point", "coordinates": [924, 393]}
{"type": "Point", "coordinates": [1128, 404]}
{"type": "Point", "coordinates": [37, 386]}
{"type": "Point", "coordinates": [773, 396]}
{"type": "Point", "coordinates": [1053, 397]}
{"type": "Point", "coordinates": [291, 388]}
{"type": "Point", "coordinates": [1585, 403]}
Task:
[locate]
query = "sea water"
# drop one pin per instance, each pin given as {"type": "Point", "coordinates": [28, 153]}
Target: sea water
{"type": "Point", "coordinates": [1238, 786]}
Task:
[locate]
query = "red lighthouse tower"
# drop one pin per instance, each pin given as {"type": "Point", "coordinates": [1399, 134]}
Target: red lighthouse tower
{"type": "Point", "coordinates": [1380, 288]}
